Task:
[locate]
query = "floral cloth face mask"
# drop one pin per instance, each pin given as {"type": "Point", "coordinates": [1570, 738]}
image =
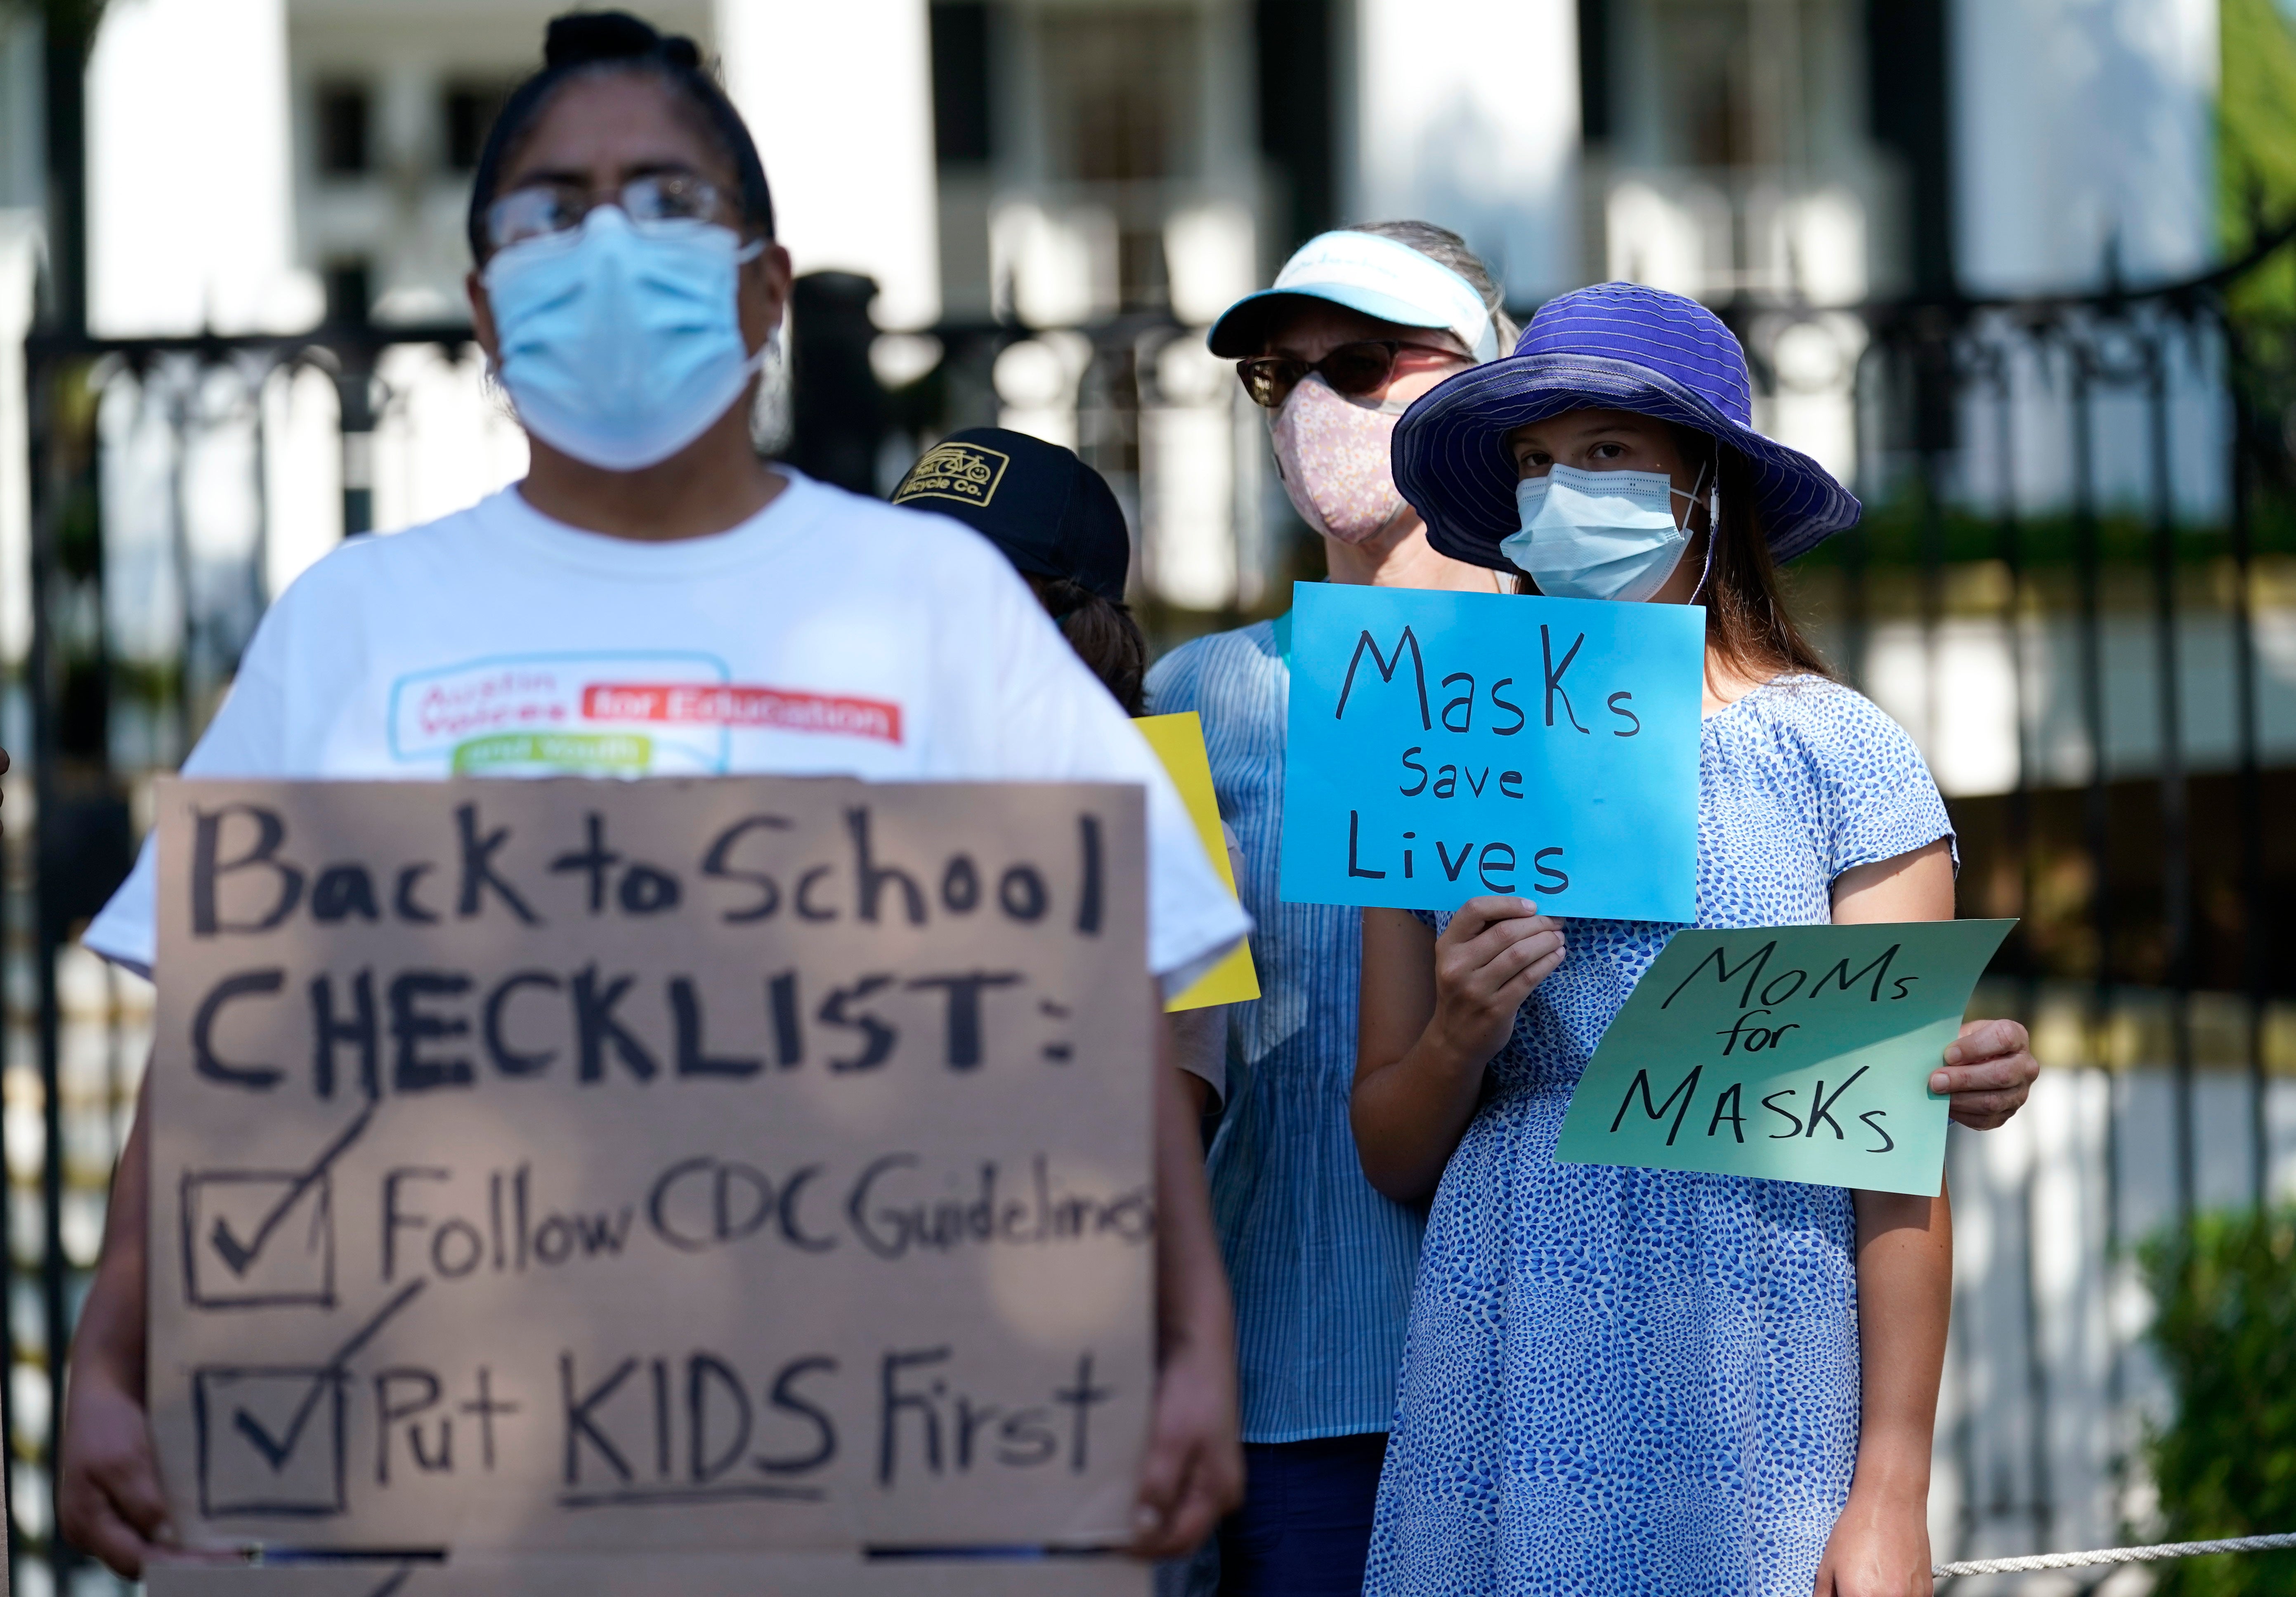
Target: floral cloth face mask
{"type": "Point", "coordinates": [1333, 455]}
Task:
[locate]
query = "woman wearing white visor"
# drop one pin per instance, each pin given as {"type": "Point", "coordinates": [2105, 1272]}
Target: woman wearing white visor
{"type": "Point", "coordinates": [1359, 324]}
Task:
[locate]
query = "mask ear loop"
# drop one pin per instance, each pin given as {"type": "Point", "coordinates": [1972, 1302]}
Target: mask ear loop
{"type": "Point", "coordinates": [1713, 523]}
{"type": "Point", "coordinates": [743, 255]}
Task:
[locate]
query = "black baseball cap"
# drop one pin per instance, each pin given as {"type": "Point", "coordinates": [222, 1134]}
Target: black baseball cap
{"type": "Point", "coordinates": [1051, 515]}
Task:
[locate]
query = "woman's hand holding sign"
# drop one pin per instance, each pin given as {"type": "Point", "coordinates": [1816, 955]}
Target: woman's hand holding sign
{"type": "Point", "coordinates": [1445, 1007]}
{"type": "Point", "coordinates": [1988, 1070]}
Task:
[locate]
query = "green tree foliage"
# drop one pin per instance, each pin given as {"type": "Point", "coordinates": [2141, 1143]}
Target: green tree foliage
{"type": "Point", "coordinates": [2256, 144]}
{"type": "Point", "coordinates": [2226, 1338]}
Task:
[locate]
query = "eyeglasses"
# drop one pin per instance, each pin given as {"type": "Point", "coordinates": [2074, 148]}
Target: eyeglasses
{"type": "Point", "coordinates": [541, 209]}
{"type": "Point", "coordinates": [1357, 370]}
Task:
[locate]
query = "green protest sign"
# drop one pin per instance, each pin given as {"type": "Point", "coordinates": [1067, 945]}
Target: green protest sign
{"type": "Point", "coordinates": [1796, 1052]}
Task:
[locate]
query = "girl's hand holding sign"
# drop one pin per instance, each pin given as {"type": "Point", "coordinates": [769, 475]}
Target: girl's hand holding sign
{"type": "Point", "coordinates": [1447, 1006]}
{"type": "Point", "coordinates": [1487, 961]}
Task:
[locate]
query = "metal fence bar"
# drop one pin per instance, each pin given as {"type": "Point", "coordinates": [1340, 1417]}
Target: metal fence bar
{"type": "Point", "coordinates": [9, 1540]}
{"type": "Point", "coordinates": [2040, 1471]}
{"type": "Point", "coordinates": [2009, 547]}
{"type": "Point", "coordinates": [2176, 844]}
{"type": "Point", "coordinates": [2096, 815]}
{"type": "Point", "coordinates": [355, 396]}
{"type": "Point", "coordinates": [2248, 774]}
{"type": "Point", "coordinates": [1964, 1420]}
{"type": "Point", "coordinates": [51, 491]}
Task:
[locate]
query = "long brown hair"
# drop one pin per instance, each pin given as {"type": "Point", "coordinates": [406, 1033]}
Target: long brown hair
{"type": "Point", "coordinates": [1747, 622]}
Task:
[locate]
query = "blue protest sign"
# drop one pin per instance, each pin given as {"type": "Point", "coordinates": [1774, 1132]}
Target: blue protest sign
{"type": "Point", "coordinates": [1444, 745]}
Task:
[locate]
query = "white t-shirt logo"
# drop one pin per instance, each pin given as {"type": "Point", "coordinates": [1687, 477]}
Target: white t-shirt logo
{"type": "Point", "coordinates": [654, 713]}
{"type": "Point", "coordinates": [736, 705]}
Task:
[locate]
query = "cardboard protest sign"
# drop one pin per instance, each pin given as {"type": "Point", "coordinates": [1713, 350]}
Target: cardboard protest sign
{"type": "Point", "coordinates": [725, 1164]}
{"type": "Point", "coordinates": [1178, 741]}
{"type": "Point", "coordinates": [1445, 745]}
{"type": "Point", "coordinates": [663, 1575]}
{"type": "Point", "coordinates": [1797, 1052]}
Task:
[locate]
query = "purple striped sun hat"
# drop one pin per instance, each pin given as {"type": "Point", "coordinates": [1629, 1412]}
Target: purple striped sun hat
{"type": "Point", "coordinates": [1616, 346]}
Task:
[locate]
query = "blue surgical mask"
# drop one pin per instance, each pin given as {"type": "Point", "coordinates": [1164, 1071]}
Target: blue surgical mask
{"type": "Point", "coordinates": [1598, 535]}
{"type": "Point", "coordinates": [621, 344]}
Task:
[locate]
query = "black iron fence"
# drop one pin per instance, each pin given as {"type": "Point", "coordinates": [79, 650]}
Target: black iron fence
{"type": "Point", "coordinates": [2166, 419]}
{"type": "Point", "coordinates": [74, 1031]}
{"type": "Point", "coordinates": [2077, 584]}
{"type": "Point", "coordinates": [2100, 487]}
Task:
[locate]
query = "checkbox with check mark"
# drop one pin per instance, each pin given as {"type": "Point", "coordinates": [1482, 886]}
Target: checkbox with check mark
{"type": "Point", "coordinates": [259, 1238]}
{"type": "Point", "coordinates": [264, 1238]}
{"type": "Point", "coordinates": [271, 1438]}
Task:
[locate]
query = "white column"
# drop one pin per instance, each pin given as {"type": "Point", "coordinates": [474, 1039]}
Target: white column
{"type": "Point", "coordinates": [2076, 122]}
{"type": "Point", "coordinates": [190, 214]}
{"type": "Point", "coordinates": [1466, 114]}
{"type": "Point", "coordinates": [839, 94]}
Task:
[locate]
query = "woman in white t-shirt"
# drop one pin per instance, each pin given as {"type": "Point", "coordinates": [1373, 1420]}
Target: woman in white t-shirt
{"type": "Point", "coordinates": [653, 598]}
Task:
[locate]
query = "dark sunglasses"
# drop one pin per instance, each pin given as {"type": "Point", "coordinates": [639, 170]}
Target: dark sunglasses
{"type": "Point", "coordinates": [1355, 370]}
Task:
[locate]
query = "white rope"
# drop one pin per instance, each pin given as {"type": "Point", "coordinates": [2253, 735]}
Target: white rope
{"type": "Point", "coordinates": [2112, 1555]}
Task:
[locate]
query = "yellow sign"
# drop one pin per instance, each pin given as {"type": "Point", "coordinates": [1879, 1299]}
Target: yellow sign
{"type": "Point", "coordinates": [1178, 741]}
{"type": "Point", "coordinates": [967, 474]}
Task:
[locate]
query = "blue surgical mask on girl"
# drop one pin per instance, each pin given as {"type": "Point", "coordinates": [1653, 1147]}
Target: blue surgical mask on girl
{"type": "Point", "coordinates": [1598, 535]}
{"type": "Point", "coordinates": [621, 344]}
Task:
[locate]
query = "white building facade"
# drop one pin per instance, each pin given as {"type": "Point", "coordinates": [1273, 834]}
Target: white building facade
{"type": "Point", "coordinates": [1060, 163]}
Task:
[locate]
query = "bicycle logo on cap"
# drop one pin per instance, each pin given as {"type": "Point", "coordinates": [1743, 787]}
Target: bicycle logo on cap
{"type": "Point", "coordinates": [964, 472]}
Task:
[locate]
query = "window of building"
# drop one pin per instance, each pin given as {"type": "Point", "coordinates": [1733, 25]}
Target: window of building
{"type": "Point", "coordinates": [1122, 94]}
{"type": "Point", "coordinates": [1731, 84]}
{"type": "Point", "coordinates": [1297, 46]}
{"type": "Point", "coordinates": [469, 109]}
{"type": "Point", "coordinates": [344, 118]}
{"type": "Point", "coordinates": [962, 131]}
{"type": "Point", "coordinates": [1739, 156]}
{"type": "Point", "coordinates": [1711, 115]}
{"type": "Point", "coordinates": [351, 288]}
{"type": "Point", "coordinates": [1122, 111]}
{"type": "Point", "coordinates": [1594, 70]}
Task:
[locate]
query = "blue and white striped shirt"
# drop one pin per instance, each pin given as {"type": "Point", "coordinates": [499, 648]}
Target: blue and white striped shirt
{"type": "Point", "coordinates": [1322, 1264]}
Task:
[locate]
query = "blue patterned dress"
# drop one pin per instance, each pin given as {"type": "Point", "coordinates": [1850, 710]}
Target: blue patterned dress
{"type": "Point", "coordinates": [1621, 1381]}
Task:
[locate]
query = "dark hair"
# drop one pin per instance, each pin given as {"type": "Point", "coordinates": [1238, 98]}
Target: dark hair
{"type": "Point", "coordinates": [1105, 637]}
{"type": "Point", "coordinates": [1448, 249]}
{"type": "Point", "coordinates": [586, 43]}
{"type": "Point", "coordinates": [1747, 622]}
